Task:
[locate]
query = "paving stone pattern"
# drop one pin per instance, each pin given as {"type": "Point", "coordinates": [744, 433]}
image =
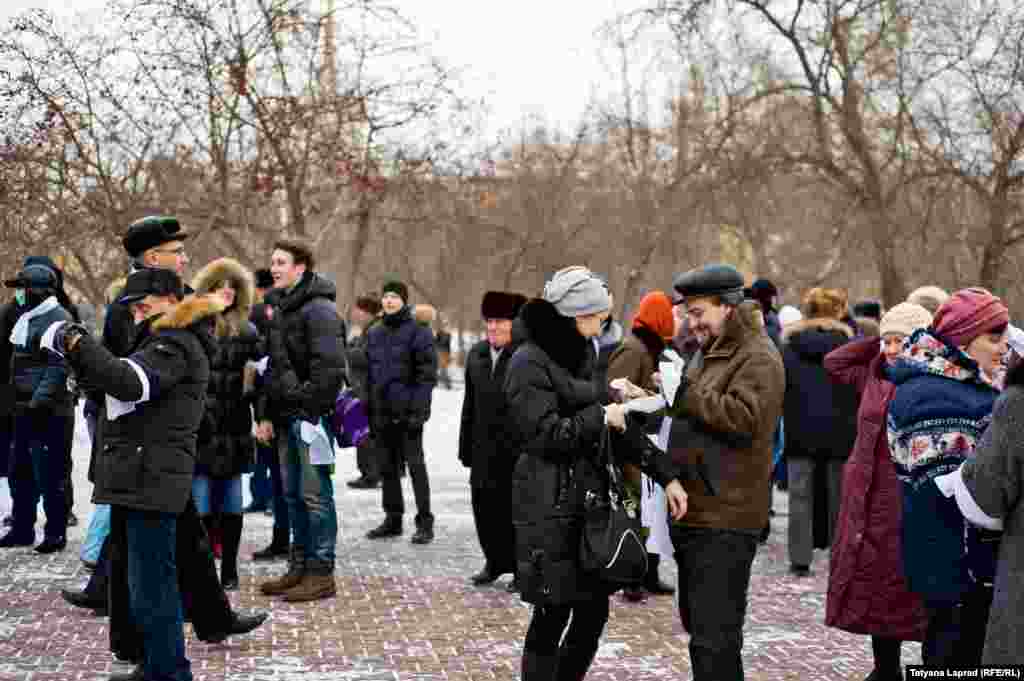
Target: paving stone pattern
{"type": "Point", "coordinates": [406, 613]}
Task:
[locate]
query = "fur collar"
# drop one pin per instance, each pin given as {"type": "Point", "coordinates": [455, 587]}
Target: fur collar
{"type": "Point", "coordinates": [234, 320]}
{"type": "Point", "coordinates": [190, 311]}
{"type": "Point", "coordinates": [816, 324]}
{"type": "Point", "coordinates": [555, 335]}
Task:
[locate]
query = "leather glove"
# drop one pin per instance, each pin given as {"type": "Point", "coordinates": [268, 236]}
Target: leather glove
{"type": "Point", "coordinates": [65, 333]}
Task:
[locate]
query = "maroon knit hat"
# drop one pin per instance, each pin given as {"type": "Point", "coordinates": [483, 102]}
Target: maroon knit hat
{"type": "Point", "coordinates": [968, 314]}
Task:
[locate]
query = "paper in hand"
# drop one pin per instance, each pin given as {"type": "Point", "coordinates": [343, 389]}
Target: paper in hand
{"type": "Point", "coordinates": [671, 368]}
{"type": "Point", "coordinates": [646, 405]}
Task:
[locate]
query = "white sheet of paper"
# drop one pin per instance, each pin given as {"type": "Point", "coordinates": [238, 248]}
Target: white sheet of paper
{"type": "Point", "coordinates": [320, 449]}
{"type": "Point", "coordinates": [646, 405]}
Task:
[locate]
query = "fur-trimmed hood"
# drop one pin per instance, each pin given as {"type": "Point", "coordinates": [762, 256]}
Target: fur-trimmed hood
{"type": "Point", "coordinates": [190, 311]}
{"type": "Point", "coordinates": [555, 334]}
{"type": "Point", "coordinates": [220, 270]}
{"type": "Point", "coordinates": [815, 338]}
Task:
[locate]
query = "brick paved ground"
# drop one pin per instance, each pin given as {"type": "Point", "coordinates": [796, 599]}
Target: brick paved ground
{"type": "Point", "coordinates": [406, 613]}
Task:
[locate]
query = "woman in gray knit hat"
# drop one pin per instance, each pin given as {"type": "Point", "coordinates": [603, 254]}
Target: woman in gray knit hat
{"type": "Point", "coordinates": [557, 419]}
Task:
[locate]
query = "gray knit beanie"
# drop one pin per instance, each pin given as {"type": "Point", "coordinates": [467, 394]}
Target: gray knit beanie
{"type": "Point", "coordinates": [576, 291]}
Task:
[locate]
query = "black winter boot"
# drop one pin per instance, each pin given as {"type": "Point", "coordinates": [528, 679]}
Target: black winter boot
{"type": "Point", "coordinates": [231, 524]}
{"type": "Point", "coordinates": [424, 530]}
{"type": "Point", "coordinates": [391, 527]}
{"type": "Point", "coordinates": [652, 582]}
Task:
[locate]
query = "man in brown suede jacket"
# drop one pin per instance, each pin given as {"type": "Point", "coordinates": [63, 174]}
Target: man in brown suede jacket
{"type": "Point", "coordinates": [723, 422]}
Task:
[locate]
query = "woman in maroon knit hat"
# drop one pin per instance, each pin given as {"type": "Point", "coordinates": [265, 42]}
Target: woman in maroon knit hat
{"type": "Point", "coordinates": [947, 379]}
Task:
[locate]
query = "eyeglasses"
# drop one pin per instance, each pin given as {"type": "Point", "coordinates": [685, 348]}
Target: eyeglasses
{"type": "Point", "coordinates": [176, 252]}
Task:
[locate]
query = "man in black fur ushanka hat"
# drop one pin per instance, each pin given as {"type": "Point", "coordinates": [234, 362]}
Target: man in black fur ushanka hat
{"type": "Point", "coordinates": [483, 445]}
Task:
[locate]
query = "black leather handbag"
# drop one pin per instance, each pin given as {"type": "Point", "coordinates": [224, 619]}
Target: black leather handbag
{"type": "Point", "coordinates": [612, 544]}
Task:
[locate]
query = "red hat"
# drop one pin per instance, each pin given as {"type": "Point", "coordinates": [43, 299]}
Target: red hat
{"type": "Point", "coordinates": [968, 314]}
{"type": "Point", "coordinates": [655, 314]}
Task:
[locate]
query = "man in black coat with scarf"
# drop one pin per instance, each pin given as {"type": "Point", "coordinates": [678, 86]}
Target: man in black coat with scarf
{"type": "Point", "coordinates": [484, 444]}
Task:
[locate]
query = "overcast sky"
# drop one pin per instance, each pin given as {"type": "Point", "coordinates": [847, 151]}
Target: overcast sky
{"type": "Point", "coordinates": [527, 58]}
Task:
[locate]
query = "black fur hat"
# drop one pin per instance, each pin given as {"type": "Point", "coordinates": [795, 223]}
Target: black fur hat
{"type": "Point", "coordinates": [501, 305]}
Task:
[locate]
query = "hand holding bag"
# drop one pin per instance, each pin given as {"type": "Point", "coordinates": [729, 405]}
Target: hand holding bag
{"type": "Point", "coordinates": [612, 545]}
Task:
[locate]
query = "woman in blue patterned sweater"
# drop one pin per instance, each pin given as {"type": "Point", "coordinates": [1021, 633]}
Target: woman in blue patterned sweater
{"type": "Point", "coordinates": [947, 380]}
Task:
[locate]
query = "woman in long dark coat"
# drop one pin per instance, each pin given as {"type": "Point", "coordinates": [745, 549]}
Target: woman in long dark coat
{"type": "Point", "coordinates": [557, 419]}
{"type": "Point", "coordinates": [867, 593]}
{"type": "Point", "coordinates": [226, 446]}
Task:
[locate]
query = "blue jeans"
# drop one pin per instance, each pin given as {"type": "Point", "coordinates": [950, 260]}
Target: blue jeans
{"type": "Point", "coordinates": [40, 470]}
{"type": "Point", "coordinates": [99, 528]}
{"type": "Point", "coordinates": [154, 598]}
{"type": "Point", "coordinates": [309, 494]}
{"type": "Point", "coordinates": [214, 495]}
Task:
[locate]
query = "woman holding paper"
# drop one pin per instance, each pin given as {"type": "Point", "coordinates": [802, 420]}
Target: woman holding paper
{"type": "Point", "coordinates": [557, 418]}
{"type": "Point", "coordinates": [636, 360]}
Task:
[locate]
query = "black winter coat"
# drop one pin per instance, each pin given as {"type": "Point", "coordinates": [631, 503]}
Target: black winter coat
{"type": "Point", "coordinates": [820, 415]}
{"type": "Point", "coordinates": [485, 444]}
{"type": "Point", "coordinates": [557, 419]}
{"type": "Point", "coordinates": [39, 377]}
{"type": "Point", "coordinates": [307, 362]}
{"type": "Point", "coordinates": [8, 315]}
{"type": "Point", "coordinates": [148, 454]}
{"type": "Point", "coordinates": [226, 445]}
{"type": "Point", "coordinates": [403, 371]}
{"type": "Point", "coordinates": [359, 363]}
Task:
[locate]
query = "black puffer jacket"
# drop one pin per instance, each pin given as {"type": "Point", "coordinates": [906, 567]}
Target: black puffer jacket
{"type": "Point", "coordinates": [556, 417]}
{"type": "Point", "coordinates": [820, 415]}
{"type": "Point", "coordinates": [307, 365]}
{"type": "Point", "coordinates": [485, 445]}
{"type": "Point", "coordinates": [148, 454]}
{"type": "Point", "coordinates": [225, 444]}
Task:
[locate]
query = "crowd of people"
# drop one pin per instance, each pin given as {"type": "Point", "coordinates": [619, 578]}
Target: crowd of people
{"type": "Point", "coordinates": [895, 432]}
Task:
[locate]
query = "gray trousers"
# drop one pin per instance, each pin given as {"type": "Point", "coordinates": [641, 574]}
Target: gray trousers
{"type": "Point", "coordinates": [801, 503]}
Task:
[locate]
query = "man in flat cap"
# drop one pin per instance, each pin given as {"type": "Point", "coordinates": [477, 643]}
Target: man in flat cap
{"type": "Point", "coordinates": [724, 415]}
{"type": "Point", "coordinates": [484, 445]}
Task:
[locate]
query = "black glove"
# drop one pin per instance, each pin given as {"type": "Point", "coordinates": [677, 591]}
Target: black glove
{"type": "Point", "coordinates": [67, 332]}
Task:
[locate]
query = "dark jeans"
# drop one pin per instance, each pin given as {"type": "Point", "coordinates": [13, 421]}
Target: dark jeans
{"type": "Point", "coordinates": [401, 446]}
{"type": "Point", "coordinates": [154, 600]}
{"type": "Point", "coordinates": [197, 583]}
{"type": "Point", "coordinates": [309, 493]}
{"type": "Point", "coordinates": [260, 486]}
{"type": "Point", "coordinates": [714, 575]}
{"type": "Point", "coordinates": [956, 632]}
{"type": "Point", "coordinates": [282, 527]}
{"type": "Point", "coordinates": [41, 440]}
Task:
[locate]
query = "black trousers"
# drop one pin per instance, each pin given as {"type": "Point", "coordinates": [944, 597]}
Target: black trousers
{"type": "Point", "coordinates": [563, 639]}
{"type": "Point", "coordinates": [956, 631]}
{"type": "Point", "coordinates": [401, 446]}
{"type": "Point", "coordinates": [492, 513]}
{"type": "Point", "coordinates": [714, 575]}
{"type": "Point", "coordinates": [366, 459]}
{"type": "Point", "coordinates": [203, 598]}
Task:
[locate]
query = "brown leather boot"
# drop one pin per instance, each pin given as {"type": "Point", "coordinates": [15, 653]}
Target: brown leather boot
{"type": "Point", "coordinates": [290, 579]}
{"type": "Point", "coordinates": [312, 588]}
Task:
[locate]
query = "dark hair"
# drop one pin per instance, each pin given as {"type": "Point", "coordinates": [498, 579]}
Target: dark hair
{"type": "Point", "coordinates": [1000, 330]}
{"type": "Point", "coordinates": [301, 252]}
